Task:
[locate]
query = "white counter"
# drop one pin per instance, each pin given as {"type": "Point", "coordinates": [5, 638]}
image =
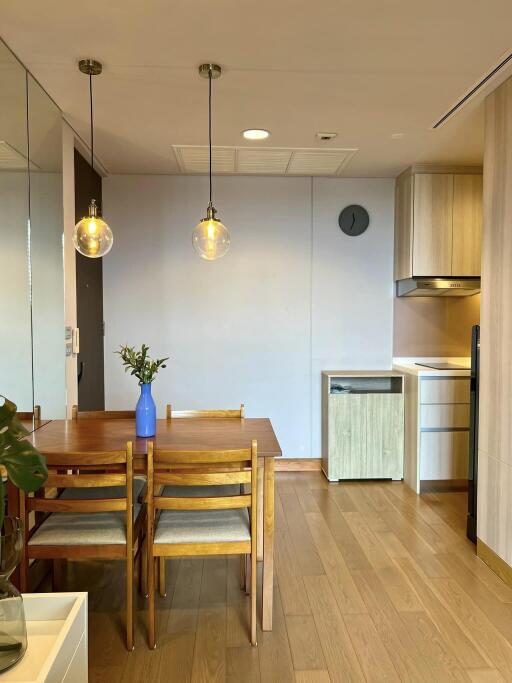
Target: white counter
{"type": "Point", "coordinates": [57, 640]}
{"type": "Point", "coordinates": [408, 365]}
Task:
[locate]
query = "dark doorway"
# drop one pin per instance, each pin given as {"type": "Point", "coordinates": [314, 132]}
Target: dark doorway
{"type": "Point", "coordinates": [89, 298]}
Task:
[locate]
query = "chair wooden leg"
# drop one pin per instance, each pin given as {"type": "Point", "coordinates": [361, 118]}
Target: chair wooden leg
{"type": "Point", "coordinates": [248, 572]}
{"type": "Point", "coordinates": [24, 565]}
{"type": "Point", "coordinates": [242, 572]}
{"type": "Point", "coordinates": [253, 598]}
{"type": "Point", "coordinates": [151, 591]}
{"type": "Point", "coordinates": [143, 569]}
{"type": "Point", "coordinates": [161, 577]}
{"type": "Point", "coordinates": [58, 573]}
{"type": "Point", "coordinates": [129, 599]}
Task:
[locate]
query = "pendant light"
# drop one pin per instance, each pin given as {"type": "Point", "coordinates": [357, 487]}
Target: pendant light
{"type": "Point", "coordinates": [92, 236]}
{"type": "Point", "coordinates": [210, 237]}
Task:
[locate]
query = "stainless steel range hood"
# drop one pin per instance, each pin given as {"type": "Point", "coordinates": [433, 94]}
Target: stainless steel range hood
{"type": "Point", "coordinates": [438, 286]}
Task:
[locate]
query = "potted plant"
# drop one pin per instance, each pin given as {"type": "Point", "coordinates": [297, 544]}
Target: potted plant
{"type": "Point", "coordinates": [26, 469]}
{"type": "Point", "coordinates": [145, 370]}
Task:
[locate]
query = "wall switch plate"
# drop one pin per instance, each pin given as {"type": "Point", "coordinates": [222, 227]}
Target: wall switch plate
{"type": "Point", "coordinates": [76, 340]}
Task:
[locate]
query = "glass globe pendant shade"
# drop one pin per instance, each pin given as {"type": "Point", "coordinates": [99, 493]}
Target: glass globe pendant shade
{"type": "Point", "coordinates": [92, 236]}
{"type": "Point", "coordinates": [210, 237]}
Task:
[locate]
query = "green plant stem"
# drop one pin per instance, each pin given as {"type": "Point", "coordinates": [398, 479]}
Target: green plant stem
{"type": "Point", "coordinates": [2, 503]}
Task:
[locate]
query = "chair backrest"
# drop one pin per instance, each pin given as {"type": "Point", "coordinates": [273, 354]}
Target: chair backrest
{"type": "Point", "coordinates": [205, 413]}
{"type": "Point", "coordinates": [102, 414]}
{"type": "Point", "coordinates": [84, 471]}
{"type": "Point", "coordinates": [36, 414]}
{"type": "Point", "coordinates": [201, 468]}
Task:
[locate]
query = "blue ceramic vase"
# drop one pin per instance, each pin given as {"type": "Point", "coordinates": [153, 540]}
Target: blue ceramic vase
{"type": "Point", "coordinates": [145, 412]}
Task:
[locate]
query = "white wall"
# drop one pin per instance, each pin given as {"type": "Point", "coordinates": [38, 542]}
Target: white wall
{"type": "Point", "coordinates": [292, 297]}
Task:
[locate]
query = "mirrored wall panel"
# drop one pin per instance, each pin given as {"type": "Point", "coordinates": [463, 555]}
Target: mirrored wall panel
{"type": "Point", "coordinates": [15, 305]}
{"type": "Point", "coordinates": [47, 256]}
{"type": "Point", "coordinates": [32, 346]}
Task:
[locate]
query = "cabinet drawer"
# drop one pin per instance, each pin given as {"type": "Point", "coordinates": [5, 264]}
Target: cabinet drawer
{"type": "Point", "coordinates": [444, 455]}
{"type": "Point", "coordinates": [444, 390]}
{"type": "Point", "coordinates": [448, 416]}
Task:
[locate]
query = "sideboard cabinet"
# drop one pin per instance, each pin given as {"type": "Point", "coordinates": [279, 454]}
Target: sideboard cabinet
{"type": "Point", "coordinates": [362, 425]}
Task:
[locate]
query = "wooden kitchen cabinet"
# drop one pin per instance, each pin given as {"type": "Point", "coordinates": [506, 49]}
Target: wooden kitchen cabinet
{"type": "Point", "coordinates": [432, 224]}
{"type": "Point", "coordinates": [438, 222]}
{"type": "Point", "coordinates": [437, 423]}
{"type": "Point", "coordinates": [362, 425]}
{"type": "Point", "coordinates": [467, 224]}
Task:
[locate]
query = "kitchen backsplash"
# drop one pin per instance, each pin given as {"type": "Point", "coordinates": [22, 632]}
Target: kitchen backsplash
{"type": "Point", "coordinates": [430, 326]}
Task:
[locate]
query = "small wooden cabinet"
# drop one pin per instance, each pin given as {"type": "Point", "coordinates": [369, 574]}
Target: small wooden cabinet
{"type": "Point", "coordinates": [362, 425]}
{"type": "Point", "coordinates": [438, 224]}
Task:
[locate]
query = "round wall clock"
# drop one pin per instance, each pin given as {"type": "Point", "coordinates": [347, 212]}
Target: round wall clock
{"type": "Point", "coordinates": [354, 220]}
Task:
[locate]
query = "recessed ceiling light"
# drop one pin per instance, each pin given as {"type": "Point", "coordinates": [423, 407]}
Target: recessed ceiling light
{"type": "Point", "coordinates": [256, 134]}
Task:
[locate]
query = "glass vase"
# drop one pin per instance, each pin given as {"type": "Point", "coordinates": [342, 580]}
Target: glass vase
{"type": "Point", "coordinates": [145, 413]}
{"type": "Point", "coordinates": [13, 629]}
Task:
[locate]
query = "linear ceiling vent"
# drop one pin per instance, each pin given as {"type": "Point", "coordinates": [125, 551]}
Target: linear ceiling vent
{"type": "Point", "coordinates": [474, 90]}
{"type": "Point", "coordinates": [12, 160]}
{"type": "Point", "coordinates": [282, 161]}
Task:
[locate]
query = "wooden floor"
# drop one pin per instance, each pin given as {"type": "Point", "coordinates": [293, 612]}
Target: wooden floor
{"type": "Point", "coordinates": [373, 584]}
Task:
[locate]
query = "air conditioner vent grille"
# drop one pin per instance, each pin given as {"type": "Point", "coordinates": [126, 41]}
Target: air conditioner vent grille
{"type": "Point", "coordinates": [263, 161]}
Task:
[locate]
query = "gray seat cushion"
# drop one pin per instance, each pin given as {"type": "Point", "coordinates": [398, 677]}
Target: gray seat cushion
{"type": "Point", "coordinates": [203, 526]}
{"type": "Point", "coordinates": [98, 528]}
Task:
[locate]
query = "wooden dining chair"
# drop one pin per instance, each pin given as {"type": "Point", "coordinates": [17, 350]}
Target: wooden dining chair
{"type": "Point", "coordinates": [170, 413]}
{"type": "Point", "coordinates": [35, 414]}
{"type": "Point", "coordinates": [96, 516]}
{"type": "Point", "coordinates": [102, 414]}
{"type": "Point", "coordinates": [180, 525]}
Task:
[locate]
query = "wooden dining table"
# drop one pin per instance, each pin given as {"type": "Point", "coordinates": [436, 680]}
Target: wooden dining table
{"type": "Point", "coordinates": [82, 436]}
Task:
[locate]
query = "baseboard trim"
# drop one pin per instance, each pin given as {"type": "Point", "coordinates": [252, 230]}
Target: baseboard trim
{"type": "Point", "coordinates": [498, 566]}
{"type": "Point", "coordinates": [298, 464]}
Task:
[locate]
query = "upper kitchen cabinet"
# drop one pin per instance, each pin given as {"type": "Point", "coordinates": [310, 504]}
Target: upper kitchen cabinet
{"type": "Point", "coordinates": [438, 221]}
{"type": "Point", "coordinates": [467, 224]}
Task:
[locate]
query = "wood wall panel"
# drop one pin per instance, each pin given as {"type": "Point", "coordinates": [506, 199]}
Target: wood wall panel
{"type": "Point", "coordinates": [495, 434]}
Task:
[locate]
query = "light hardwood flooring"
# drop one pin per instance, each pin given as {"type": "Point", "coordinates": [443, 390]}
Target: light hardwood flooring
{"type": "Point", "coordinates": [373, 583]}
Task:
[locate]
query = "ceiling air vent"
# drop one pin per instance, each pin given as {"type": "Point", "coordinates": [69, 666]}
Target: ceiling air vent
{"type": "Point", "coordinates": [11, 159]}
{"type": "Point", "coordinates": [281, 161]}
{"type": "Point", "coordinates": [474, 90]}
{"type": "Point", "coordinates": [319, 162]}
{"type": "Point", "coordinates": [262, 161]}
{"type": "Point", "coordinates": [195, 159]}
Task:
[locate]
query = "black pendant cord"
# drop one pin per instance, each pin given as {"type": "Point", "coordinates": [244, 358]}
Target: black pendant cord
{"type": "Point", "coordinates": [92, 135]}
{"type": "Point", "coordinates": [210, 126]}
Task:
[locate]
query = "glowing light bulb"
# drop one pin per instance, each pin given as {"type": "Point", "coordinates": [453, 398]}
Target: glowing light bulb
{"type": "Point", "coordinates": [210, 237]}
{"type": "Point", "coordinates": [92, 226]}
{"type": "Point", "coordinates": [92, 236]}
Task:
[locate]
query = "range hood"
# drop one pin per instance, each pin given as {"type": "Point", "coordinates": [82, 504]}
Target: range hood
{"type": "Point", "coordinates": [438, 286]}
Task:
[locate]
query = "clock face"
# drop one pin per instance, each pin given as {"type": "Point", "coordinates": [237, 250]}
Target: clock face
{"type": "Point", "coordinates": [354, 220]}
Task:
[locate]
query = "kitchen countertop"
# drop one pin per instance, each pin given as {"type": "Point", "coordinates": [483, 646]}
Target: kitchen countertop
{"type": "Point", "coordinates": [361, 373]}
{"type": "Point", "coordinates": [408, 365]}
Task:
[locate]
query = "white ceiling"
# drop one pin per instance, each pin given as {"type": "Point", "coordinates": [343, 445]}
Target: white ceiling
{"type": "Point", "coordinates": [364, 68]}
